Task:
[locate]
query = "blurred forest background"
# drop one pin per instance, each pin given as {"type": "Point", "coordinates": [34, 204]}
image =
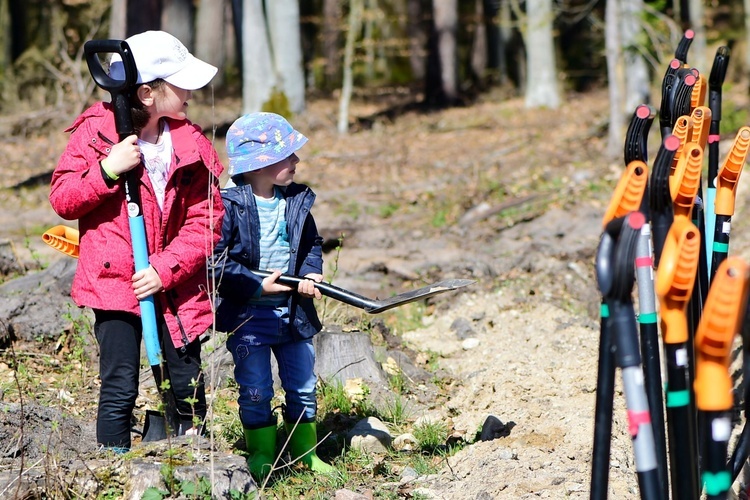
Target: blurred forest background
{"type": "Point", "coordinates": [276, 54]}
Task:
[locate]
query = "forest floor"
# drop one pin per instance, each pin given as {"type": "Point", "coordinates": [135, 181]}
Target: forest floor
{"type": "Point", "coordinates": [508, 197]}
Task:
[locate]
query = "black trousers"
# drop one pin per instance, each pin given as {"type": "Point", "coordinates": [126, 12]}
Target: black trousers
{"type": "Point", "coordinates": [119, 335]}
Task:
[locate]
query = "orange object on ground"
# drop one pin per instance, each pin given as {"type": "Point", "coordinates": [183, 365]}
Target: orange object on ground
{"type": "Point", "coordinates": [62, 238]}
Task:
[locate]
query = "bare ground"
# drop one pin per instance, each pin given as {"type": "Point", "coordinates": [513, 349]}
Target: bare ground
{"type": "Point", "coordinates": [508, 197]}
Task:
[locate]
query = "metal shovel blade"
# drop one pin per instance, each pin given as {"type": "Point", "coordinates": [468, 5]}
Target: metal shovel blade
{"type": "Point", "coordinates": [155, 427]}
{"type": "Point", "coordinates": [418, 294]}
{"type": "Point", "coordinates": [373, 306]}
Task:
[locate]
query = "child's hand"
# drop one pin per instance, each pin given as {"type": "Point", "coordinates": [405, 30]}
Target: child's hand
{"type": "Point", "coordinates": [124, 156]}
{"type": "Point", "coordinates": [307, 288]}
{"type": "Point", "coordinates": [270, 287]}
{"type": "Point", "coordinates": [146, 282]}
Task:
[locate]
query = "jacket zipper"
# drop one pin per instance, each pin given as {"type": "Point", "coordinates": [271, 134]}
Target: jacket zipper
{"type": "Point", "coordinates": [170, 299]}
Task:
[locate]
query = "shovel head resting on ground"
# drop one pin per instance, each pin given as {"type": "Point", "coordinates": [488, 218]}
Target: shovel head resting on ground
{"type": "Point", "coordinates": [373, 306]}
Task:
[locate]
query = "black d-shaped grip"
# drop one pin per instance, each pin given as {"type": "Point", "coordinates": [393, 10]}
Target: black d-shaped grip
{"type": "Point", "coordinates": [118, 89]}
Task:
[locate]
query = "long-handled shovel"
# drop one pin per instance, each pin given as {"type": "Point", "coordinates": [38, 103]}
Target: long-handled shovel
{"type": "Point", "coordinates": [373, 306]}
{"type": "Point", "coordinates": [627, 198]}
{"type": "Point", "coordinates": [675, 279]}
{"type": "Point", "coordinates": [701, 119]}
{"type": "Point", "coordinates": [726, 188]}
{"type": "Point", "coordinates": [616, 277]}
{"type": "Point", "coordinates": [120, 91]}
{"type": "Point", "coordinates": [722, 319]}
{"type": "Point", "coordinates": [636, 142]}
{"type": "Point", "coordinates": [715, 82]}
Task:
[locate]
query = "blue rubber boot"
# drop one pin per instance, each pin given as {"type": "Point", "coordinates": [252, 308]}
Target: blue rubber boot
{"type": "Point", "coordinates": [303, 439]}
{"type": "Point", "coordinates": [261, 446]}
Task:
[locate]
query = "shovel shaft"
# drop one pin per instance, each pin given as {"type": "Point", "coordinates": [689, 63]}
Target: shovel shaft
{"type": "Point", "coordinates": [371, 306]}
{"type": "Point", "coordinates": [147, 305]}
{"type": "Point", "coordinates": [605, 389]}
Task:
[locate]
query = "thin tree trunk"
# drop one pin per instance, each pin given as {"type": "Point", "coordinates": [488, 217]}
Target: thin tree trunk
{"type": "Point", "coordinates": [286, 44]}
{"type": "Point", "coordinates": [479, 45]}
{"type": "Point", "coordinates": [209, 36]}
{"type": "Point", "coordinates": [355, 19]}
{"type": "Point", "coordinates": [541, 84]}
{"type": "Point", "coordinates": [258, 77]}
{"type": "Point", "coordinates": [143, 15]}
{"type": "Point", "coordinates": [417, 38]}
{"type": "Point", "coordinates": [614, 76]}
{"type": "Point", "coordinates": [6, 37]}
{"type": "Point", "coordinates": [118, 19]}
{"type": "Point", "coordinates": [445, 13]}
{"type": "Point", "coordinates": [332, 19]}
{"type": "Point", "coordinates": [178, 18]}
{"type": "Point", "coordinates": [698, 56]}
{"type": "Point", "coordinates": [368, 42]}
{"type": "Point", "coordinates": [637, 80]}
{"type": "Point", "coordinates": [506, 35]}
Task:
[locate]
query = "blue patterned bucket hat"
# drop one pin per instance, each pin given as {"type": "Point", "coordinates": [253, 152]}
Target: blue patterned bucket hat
{"type": "Point", "coordinates": [257, 140]}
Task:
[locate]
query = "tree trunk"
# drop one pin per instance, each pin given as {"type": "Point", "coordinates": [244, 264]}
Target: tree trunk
{"type": "Point", "coordinates": [332, 19]}
{"type": "Point", "coordinates": [479, 44]}
{"type": "Point", "coordinates": [258, 77]}
{"type": "Point", "coordinates": [417, 38]}
{"type": "Point", "coordinates": [637, 80]}
{"type": "Point", "coordinates": [355, 19]}
{"type": "Point", "coordinates": [614, 74]}
{"type": "Point", "coordinates": [237, 25]}
{"type": "Point", "coordinates": [445, 14]}
{"type": "Point", "coordinates": [210, 37]}
{"type": "Point", "coordinates": [698, 47]}
{"type": "Point", "coordinates": [6, 39]}
{"type": "Point", "coordinates": [286, 49]}
{"type": "Point", "coordinates": [118, 19]}
{"type": "Point", "coordinates": [178, 18]}
{"type": "Point", "coordinates": [541, 83]}
{"type": "Point", "coordinates": [143, 15]}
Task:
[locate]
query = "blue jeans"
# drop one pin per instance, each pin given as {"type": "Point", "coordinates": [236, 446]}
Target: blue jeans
{"type": "Point", "coordinates": [251, 345]}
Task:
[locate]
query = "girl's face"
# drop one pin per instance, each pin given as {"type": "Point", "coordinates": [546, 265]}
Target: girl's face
{"type": "Point", "coordinates": [170, 101]}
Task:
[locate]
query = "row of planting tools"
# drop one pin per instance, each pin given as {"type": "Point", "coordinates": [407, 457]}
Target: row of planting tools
{"type": "Point", "coordinates": [662, 234]}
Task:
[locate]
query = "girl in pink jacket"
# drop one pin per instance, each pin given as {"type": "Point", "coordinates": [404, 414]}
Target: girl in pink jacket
{"type": "Point", "coordinates": [178, 172]}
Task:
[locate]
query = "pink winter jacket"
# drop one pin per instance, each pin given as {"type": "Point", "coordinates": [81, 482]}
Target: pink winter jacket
{"type": "Point", "coordinates": [179, 239]}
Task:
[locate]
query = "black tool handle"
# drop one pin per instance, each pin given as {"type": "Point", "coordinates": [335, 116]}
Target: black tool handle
{"type": "Point", "coordinates": [326, 289]}
{"type": "Point", "coordinates": [119, 89]}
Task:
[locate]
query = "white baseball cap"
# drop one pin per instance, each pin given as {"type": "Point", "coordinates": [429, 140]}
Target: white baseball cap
{"type": "Point", "coordinates": [158, 54]}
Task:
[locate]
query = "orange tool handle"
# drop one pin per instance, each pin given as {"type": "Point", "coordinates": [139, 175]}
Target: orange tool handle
{"type": "Point", "coordinates": [686, 181]}
{"type": "Point", "coordinates": [701, 117]}
{"type": "Point", "coordinates": [62, 238]}
{"type": "Point", "coordinates": [675, 278]}
{"type": "Point", "coordinates": [628, 192]}
{"type": "Point", "coordinates": [682, 130]}
{"type": "Point", "coordinates": [721, 320]}
{"type": "Point", "coordinates": [729, 173]}
{"type": "Point", "coordinates": [698, 96]}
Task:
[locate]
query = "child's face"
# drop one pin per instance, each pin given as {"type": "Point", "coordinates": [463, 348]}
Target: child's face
{"type": "Point", "coordinates": [282, 173]}
{"type": "Point", "coordinates": [171, 102]}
